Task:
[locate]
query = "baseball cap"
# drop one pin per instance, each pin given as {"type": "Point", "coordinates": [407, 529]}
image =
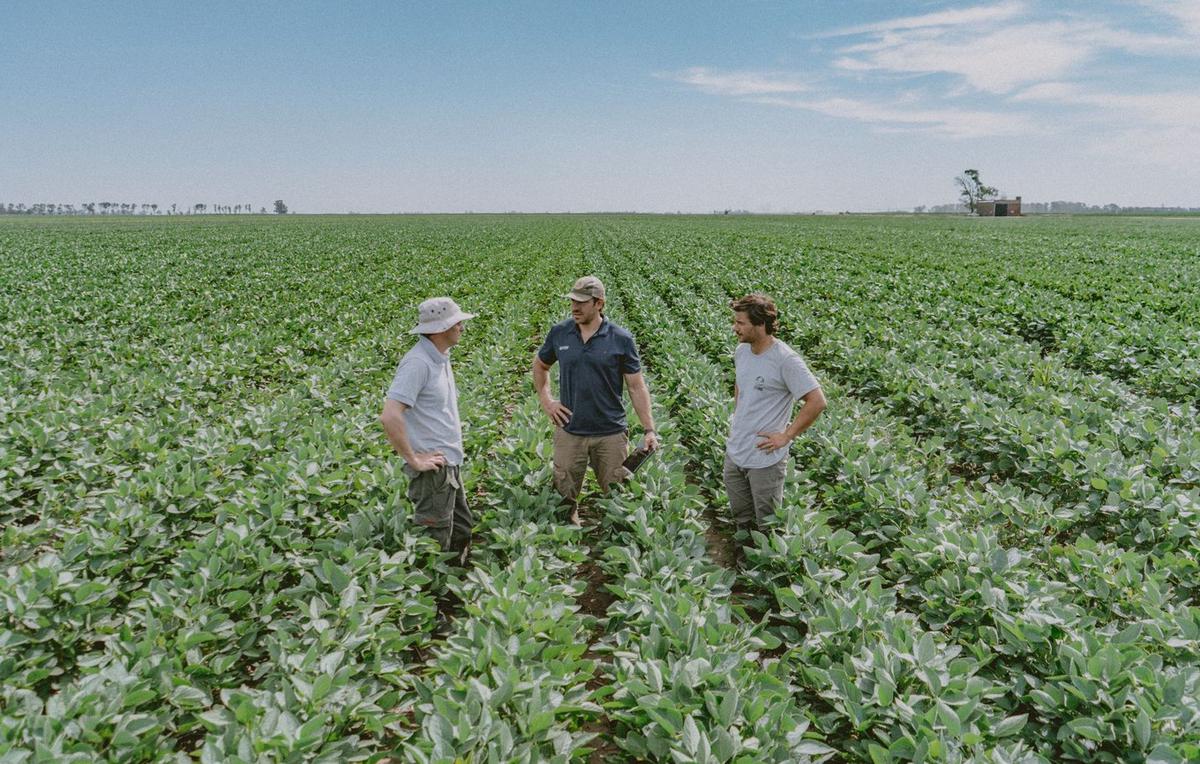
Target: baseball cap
{"type": "Point", "coordinates": [587, 288]}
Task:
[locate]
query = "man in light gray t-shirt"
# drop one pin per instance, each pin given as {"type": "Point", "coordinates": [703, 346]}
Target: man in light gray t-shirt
{"type": "Point", "coordinates": [770, 378]}
{"type": "Point", "coordinates": [420, 418]}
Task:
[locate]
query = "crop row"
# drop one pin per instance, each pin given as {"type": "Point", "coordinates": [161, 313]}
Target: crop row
{"type": "Point", "coordinates": [987, 550]}
{"type": "Point", "coordinates": [932, 528]}
{"type": "Point", "coordinates": [1113, 298]}
{"type": "Point", "coordinates": [243, 585]}
{"type": "Point", "coordinates": [1045, 441]}
{"type": "Point", "coordinates": [691, 677]}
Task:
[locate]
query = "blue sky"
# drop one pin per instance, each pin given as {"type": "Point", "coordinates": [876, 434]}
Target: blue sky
{"type": "Point", "coordinates": [767, 106]}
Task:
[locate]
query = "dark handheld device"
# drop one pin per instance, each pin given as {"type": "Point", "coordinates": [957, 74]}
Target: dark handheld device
{"type": "Point", "coordinates": [636, 458]}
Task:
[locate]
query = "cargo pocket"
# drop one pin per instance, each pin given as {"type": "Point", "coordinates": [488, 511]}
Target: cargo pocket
{"type": "Point", "coordinates": [616, 450]}
{"type": "Point", "coordinates": [617, 475]}
{"type": "Point", "coordinates": [563, 483]}
{"type": "Point", "coordinates": [418, 484]}
{"type": "Point", "coordinates": [433, 505]}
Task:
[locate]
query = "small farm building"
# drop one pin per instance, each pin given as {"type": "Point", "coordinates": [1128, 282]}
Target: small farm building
{"type": "Point", "coordinates": [998, 208]}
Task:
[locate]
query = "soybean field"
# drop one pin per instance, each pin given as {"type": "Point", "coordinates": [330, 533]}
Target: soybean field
{"type": "Point", "coordinates": [989, 549]}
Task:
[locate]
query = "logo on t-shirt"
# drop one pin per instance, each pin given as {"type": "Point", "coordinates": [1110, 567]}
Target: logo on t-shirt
{"type": "Point", "coordinates": [564, 347]}
{"type": "Point", "coordinates": [760, 384]}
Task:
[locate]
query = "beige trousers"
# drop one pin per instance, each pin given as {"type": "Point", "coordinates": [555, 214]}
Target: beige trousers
{"type": "Point", "coordinates": [573, 454]}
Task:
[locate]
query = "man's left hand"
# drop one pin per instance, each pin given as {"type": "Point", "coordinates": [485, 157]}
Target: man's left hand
{"type": "Point", "coordinates": [773, 441]}
{"type": "Point", "coordinates": [651, 441]}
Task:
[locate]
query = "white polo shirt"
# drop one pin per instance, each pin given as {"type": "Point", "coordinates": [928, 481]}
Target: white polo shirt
{"type": "Point", "coordinates": [424, 382]}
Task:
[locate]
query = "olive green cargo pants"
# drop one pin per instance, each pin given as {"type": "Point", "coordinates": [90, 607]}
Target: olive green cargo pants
{"type": "Point", "coordinates": [440, 505]}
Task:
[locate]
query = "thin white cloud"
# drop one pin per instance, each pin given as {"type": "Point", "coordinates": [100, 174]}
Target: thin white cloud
{"type": "Point", "coordinates": [1186, 13]}
{"type": "Point", "coordinates": [902, 111]}
{"type": "Point", "coordinates": [738, 83]}
{"type": "Point", "coordinates": [1163, 109]}
{"type": "Point", "coordinates": [955, 17]}
{"type": "Point", "coordinates": [1140, 44]}
{"type": "Point", "coordinates": [1170, 148]}
{"type": "Point", "coordinates": [1161, 127]}
{"type": "Point", "coordinates": [998, 52]}
{"type": "Point", "coordinates": [1046, 91]}
{"type": "Point", "coordinates": [954, 123]}
{"type": "Point", "coordinates": [995, 61]}
{"type": "Point", "coordinates": [979, 53]}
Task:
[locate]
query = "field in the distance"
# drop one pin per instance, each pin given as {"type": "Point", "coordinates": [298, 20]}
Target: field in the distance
{"type": "Point", "coordinates": [989, 550]}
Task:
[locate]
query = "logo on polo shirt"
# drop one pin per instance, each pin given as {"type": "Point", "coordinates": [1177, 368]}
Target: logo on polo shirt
{"type": "Point", "coordinates": [564, 347]}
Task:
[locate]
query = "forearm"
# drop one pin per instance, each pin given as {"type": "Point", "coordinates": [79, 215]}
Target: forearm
{"type": "Point", "coordinates": [804, 418]}
{"type": "Point", "coordinates": [541, 382]}
{"type": "Point", "coordinates": [397, 435]}
{"type": "Point", "coordinates": [640, 396]}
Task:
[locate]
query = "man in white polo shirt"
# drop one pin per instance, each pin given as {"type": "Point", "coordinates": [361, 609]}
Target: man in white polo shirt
{"type": "Point", "coordinates": [770, 378]}
{"type": "Point", "coordinates": [420, 417]}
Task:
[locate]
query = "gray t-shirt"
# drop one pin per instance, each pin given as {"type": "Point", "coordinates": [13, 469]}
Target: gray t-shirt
{"type": "Point", "coordinates": [424, 382]}
{"type": "Point", "coordinates": [768, 386]}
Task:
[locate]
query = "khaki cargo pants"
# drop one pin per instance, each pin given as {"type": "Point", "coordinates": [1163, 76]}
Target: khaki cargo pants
{"type": "Point", "coordinates": [440, 505]}
{"type": "Point", "coordinates": [573, 454]}
{"type": "Point", "coordinates": [754, 494]}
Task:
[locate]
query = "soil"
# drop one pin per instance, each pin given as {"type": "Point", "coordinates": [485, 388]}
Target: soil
{"type": "Point", "coordinates": [722, 549]}
{"type": "Point", "coordinates": [594, 601]}
{"type": "Point", "coordinates": [606, 749]}
{"type": "Point", "coordinates": [596, 598]}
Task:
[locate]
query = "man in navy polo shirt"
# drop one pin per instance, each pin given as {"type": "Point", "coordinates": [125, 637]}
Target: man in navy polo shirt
{"type": "Point", "coordinates": [596, 359]}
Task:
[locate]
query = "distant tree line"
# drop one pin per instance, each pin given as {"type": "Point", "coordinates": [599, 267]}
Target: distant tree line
{"type": "Point", "coordinates": [1060, 207]}
{"type": "Point", "coordinates": [1109, 209]}
{"type": "Point", "coordinates": [972, 191]}
{"type": "Point", "coordinates": [127, 208]}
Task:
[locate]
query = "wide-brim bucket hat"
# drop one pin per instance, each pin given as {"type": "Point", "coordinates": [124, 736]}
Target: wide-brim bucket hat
{"type": "Point", "coordinates": [437, 314]}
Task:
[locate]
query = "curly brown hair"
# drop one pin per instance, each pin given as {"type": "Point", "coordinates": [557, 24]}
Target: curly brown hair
{"type": "Point", "coordinates": [760, 309]}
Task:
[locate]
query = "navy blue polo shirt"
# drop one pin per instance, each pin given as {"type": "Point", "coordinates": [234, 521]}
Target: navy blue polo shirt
{"type": "Point", "coordinates": [590, 375]}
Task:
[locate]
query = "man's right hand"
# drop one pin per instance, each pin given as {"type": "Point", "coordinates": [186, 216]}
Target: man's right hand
{"type": "Point", "coordinates": [558, 413]}
{"type": "Point", "coordinates": [427, 462]}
